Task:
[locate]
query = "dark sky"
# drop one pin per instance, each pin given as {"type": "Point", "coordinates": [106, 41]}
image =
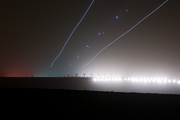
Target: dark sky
{"type": "Point", "coordinates": [32, 33]}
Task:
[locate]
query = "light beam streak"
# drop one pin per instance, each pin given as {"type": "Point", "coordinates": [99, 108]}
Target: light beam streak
{"type": "Point", "coordinates": [125, 33]}
{"type": "Point", "coordinates": [72, 33]}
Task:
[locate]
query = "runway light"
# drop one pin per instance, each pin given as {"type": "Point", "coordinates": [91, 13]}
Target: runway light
{"type": "Point", "coordinates": [135, 79]}
{"type": "Point", "coordinates": [174, 81]}
{"type": "Point", "coordinates": [178, 82]}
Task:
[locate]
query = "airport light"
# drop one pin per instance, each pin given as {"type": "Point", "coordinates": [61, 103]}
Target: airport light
{"type": "Point", "coordinates": [178, 82]}
{"type": "Point", "coordinates": [68, 74]}
{"type": "Point", "coordinates": [135, 79]}
{"type": "Point", "coordinates": [174, 81]}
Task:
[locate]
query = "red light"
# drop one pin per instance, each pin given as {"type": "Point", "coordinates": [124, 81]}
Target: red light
{"type": "Point", "coordinates": [68, 74]}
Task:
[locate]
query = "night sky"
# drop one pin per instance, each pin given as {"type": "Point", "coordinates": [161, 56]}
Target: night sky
{"type": "Point", "coordinates": [32, 33]}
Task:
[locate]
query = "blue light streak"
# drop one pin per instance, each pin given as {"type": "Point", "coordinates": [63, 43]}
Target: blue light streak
{"type": "Point", "coordinates": [125, 33]}
{"type": "Point", "coordinates": [72, 33]}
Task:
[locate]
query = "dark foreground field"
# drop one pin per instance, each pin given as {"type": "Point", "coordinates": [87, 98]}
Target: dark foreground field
{"type": "Point", "coordinates": [81, 98]}
{"type": "Point", "coordinates": [39, 103]}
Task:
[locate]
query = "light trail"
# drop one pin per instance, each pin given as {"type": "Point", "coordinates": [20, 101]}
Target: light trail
{"type": "Point", "coordinates": [72, 33]}
{"type": "Point", "coordinates": [125, 33]}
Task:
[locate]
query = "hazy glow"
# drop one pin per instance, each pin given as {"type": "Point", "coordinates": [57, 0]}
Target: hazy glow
{"type": "Point", "coordinates": [165, 81]}
{"type": "Point", "coordinates": [125, 33]}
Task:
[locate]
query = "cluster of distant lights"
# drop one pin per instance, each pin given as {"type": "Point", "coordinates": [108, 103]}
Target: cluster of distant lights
{"type": "Point", "coordinates": [141, 80]}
